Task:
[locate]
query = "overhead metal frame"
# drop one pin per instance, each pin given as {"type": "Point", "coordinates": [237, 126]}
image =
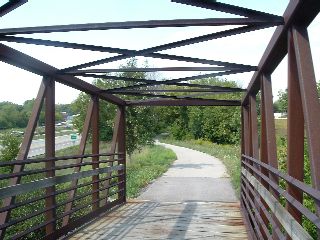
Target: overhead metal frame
{"type": "Point", "coordinates": [291, 35]}
{"type": "Point", "coordinates": [251, 20]}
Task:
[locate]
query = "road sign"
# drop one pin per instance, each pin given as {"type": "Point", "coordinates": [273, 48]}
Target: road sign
{"type": "Point", "coordinates": [73, 137]}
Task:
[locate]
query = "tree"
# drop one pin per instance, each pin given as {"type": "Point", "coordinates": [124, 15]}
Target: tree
{"type": "Point", "coordinates": [281, 105]}
{"type": "Point", "coordinates": [141, 122]}
{"type": "Point", "coordinates": [10, 145]}
{"type": "Point", "coordinates": [216, 124]}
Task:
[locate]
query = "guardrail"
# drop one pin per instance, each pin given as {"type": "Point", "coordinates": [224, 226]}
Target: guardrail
{"type": "Point", "coordinates": [80, 192]}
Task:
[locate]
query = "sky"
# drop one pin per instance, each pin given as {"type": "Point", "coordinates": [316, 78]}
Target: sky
{"type": "Point", "coordinates": [19, 85]}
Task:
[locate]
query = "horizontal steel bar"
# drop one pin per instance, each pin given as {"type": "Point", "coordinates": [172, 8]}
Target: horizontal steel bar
{"type": "Point", "coordinates": [292, 227]}
{"type": "Point", "coordinates": [181, 43]}
{"type": "Point", "coordinates": [43, 170]}
{"type": "Point", "coordinates": [249, 211]}
{"type": "Point", "coordinates": [42, 160]}
{"type": "Point", "coordinates": [181, 90]}
{"type": "Point", "coordinates": [256, 218]}
{"type": "Point", "coordinates": [212, 87]}
{"type": "Point", "coordinates": [48, 182]}
{"type": "Point", "coordinates": [183, 102]}
{"type": "Point", "coordinates": [29, 201]}
{"type": "Point", "coordinates": [314, 193]}
{"type": "Point", "coordinates": [75, 224]}
{"type": "Point", "coordinates": [177, 80]}
{"type": "Point", "coordinates": [136, 24]}
{"type": "Point", "coordinates": [122, 51]}
{"type": "Point", "coordinates": [39, 212]}
{"type": "Point", "coordinates": [296, 204]}
{"type": "Point", "coordinates": [163, 69]}
{"type": "Point", "coordinates": [263, 208]}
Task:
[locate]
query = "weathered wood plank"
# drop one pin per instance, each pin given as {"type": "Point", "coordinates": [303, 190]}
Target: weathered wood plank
{"type": "Point", "coordinates": [151, 220]}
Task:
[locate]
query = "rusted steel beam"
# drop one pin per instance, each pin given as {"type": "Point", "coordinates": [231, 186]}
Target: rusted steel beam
{"type": "Point", "coordinates": [227, 8]}
{"type": "Point", "coordinates": [95, 150]}
{"type": "Point", "coordinates": [184, 102]}
{"type": "Point", "coordinates": [295, 157]}
{"type": "Point", "coordinates": [268, 137]}
{"type": "Point", "coordinates": [123, 51]}
{"type": "Point", "coordinates": [181, 90]}
{"type": "Point", "coordinates": [21, 60]}
{"type": "Point", "coordinates": [269, 125]}
{"type": "Point", "coordinates": [167, 46]}
{"type": "Point", "coordinates": [159, 96]}
{"type": "Point", "coordinates": [122, 196]}
{"type": "Point", "coordinates": [23, 152]}
{"type": "Point", "coordinates": [300, 13]}
{"type": "Point", "coordinates": [114, 143]}
{"type": "Point", "coordinates": [50, 151]}
{"type": "Point", "coordinates": [310, 100]}
{"type": "Point", "coordinates": [163, 69]}
{"type": "Point", "coordinates": [184, 84]}
{"type": "Point", "coordinates": [10, 6]}
{"type": "Point", "coordinates": [177, 80]}
{"type": "Point", "coordinates": [138, 24]}
{"type": "Point", "coordinates": [82, 147]}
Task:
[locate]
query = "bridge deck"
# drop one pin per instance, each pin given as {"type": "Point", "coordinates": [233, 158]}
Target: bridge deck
{"type": "Point", "coordinates": [171, 220]}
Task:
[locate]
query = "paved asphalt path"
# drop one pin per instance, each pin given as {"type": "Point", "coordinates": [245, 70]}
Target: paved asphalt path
{"type": "Point", "coordinates": [194, 176]}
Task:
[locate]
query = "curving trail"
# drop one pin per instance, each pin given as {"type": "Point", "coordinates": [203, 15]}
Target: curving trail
{"type": "Point", "coordinates": [194, 176]}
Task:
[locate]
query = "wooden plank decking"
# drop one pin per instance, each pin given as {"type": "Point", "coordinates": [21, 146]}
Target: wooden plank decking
{"type": "Point", "coordinates": [176, 220]}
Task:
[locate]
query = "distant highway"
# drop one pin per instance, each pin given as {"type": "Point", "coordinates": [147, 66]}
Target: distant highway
{"type": "Point", "coordinates": [38, 147]}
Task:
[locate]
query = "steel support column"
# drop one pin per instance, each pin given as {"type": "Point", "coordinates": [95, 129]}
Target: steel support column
{"type": "Point", "coordinates": [50, 151]}
{"type": "Point", "coordinates": [95, 150]}
{"type": "Point", "coordinates": [295, 158]}
{"type": "Point", "coordinates": [122, 150]}
{"type": "Point", "coordinates": [24, 151]}
{"type": "Point", "coordinates": [82, 147]}
{"type": "Point", "coordinates": [310, 101]}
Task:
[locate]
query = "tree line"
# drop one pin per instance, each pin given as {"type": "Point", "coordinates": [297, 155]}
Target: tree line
{"type": "Point", "coordinates": [216, 124]}
{"type": "Point", "coordinates": [13, 115]}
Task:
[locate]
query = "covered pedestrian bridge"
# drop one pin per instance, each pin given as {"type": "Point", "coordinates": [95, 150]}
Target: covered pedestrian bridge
{"type": "Point", "coordinates": [271, 201]}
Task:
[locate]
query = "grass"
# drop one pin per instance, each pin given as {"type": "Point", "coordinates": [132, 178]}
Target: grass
{"type": "Point", "coordinates": [146, 165]}
{"type": "Point", "coordinates": [281, 127]}
{"type": "Point", "coordinates": [228, 154]}
{"type": "Point", "coordinates": [143, 167]}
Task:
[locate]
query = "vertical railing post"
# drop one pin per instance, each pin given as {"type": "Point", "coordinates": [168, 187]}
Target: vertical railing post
{"type": "Point", "coordinates": [82, 147]}
{"type": "Point", "coordinates": [295, 158]}
{"type": "Point", "coordinates": [268, 139]}
{"type": "Point", "coordinates": [95, 150]}
{"type": "Point", "coordinates": [50, 151]}
{"type": "Point", "coordinates": [310, 100]}
{"type": "Point", "coordinates": [23, 151]}
{"type": "Point", "coordinates": [122, 149]}
{"type": "Point", "coordinates": [113, 149]}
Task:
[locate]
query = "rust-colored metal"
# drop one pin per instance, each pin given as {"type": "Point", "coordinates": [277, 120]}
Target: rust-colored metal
{"type": "Point", "coordinates": [50, 150]}
{"type": "Point", "coordinates": [10, 6]}
{"type": "Point", "coordinates": [82, 147]}
{"type": "Point", "coordinates": [290, 36]}
{"type": "Point", "coordinates": [122, 148]}
{"type": "Point", "coordinates": [113, 148]}
{"type": "Point", "coordinates": [295, 159]}
{"type": "Point", "coordinates": [95, 150]}
{"type": "Point", "coordinates": [21, 60]}
{"type": "Point", "coordinates": [298, 12]}
{"type": "Point", "coordinates": [23, 151]}
{"type": "Point", "coordinates": [310, 100]}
